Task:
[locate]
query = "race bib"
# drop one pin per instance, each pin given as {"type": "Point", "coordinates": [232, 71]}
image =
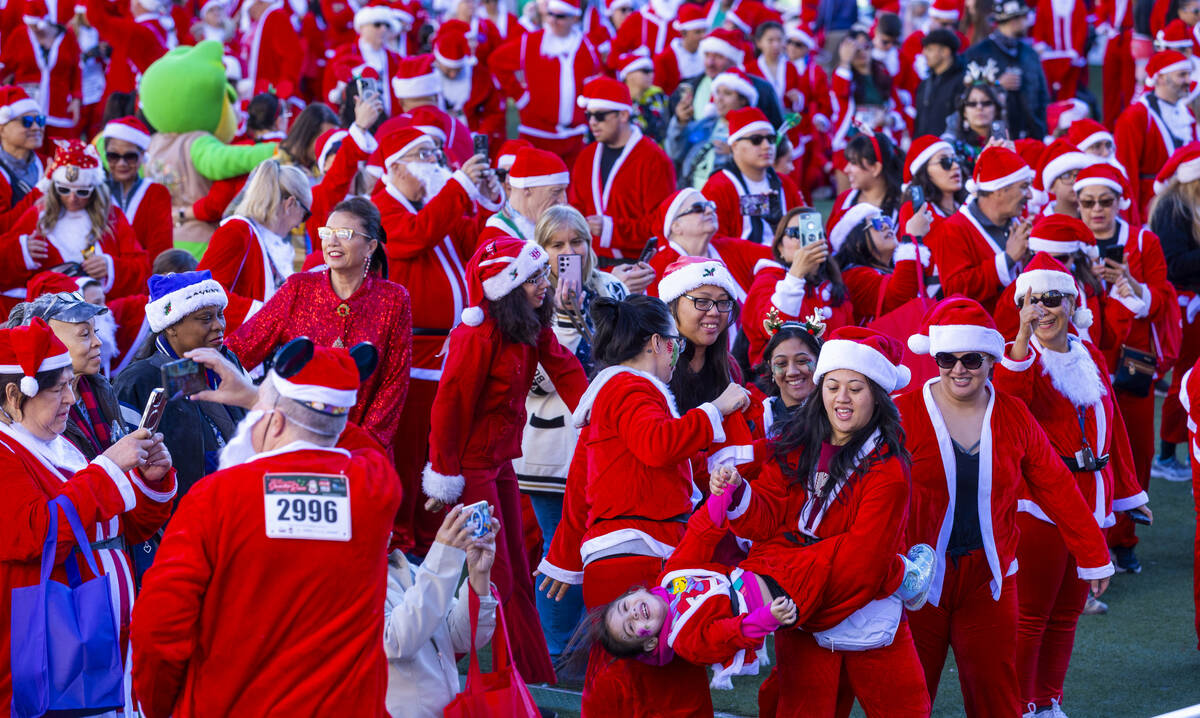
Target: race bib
{"type": "Point", "coordinates": [307, 506]}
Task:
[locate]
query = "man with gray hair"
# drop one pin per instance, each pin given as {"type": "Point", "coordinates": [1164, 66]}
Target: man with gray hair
{"type": "Point", "coordinates": [266, 591]}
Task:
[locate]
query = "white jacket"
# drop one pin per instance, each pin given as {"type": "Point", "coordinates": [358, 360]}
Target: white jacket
{"type": "Point", "coordinates": [424, 625]}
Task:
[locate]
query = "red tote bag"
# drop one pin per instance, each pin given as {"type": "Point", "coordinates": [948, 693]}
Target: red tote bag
{"type": "Point", "coordinates": [499, 694]}
{"type": "Point", "coordinates": [904, 321]}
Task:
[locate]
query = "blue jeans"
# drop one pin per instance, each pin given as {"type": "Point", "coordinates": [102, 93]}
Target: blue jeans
{"type": "Point", "coordinates": [559, 618]}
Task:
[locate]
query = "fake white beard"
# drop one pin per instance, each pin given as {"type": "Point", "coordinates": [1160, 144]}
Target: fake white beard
{"type": "Point", "coordinates": [241, 447]}
{"type": "Point", "coordinates": [456, 92]}
{"type": "Point", "coordinates": [71, 234]}
{"type": "Point", "coordinates": [1074, 374]}
{"type": "Point", "coordinates": [433, 177]}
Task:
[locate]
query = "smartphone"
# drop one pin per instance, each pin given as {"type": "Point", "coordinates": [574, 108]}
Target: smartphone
{"type": "Point", "coordinates": [755, 205]}
{"type": "Point", "coordinates": [649, 250]}
{"type": "Point", "coordinates": [183, 378]}
{"type": "Point", "coordinates": [368, 88]}
{"type": "Point", "coordinates": [570, 267]}
{"type": "Point", "coordinates": [918, 197]}
{"type": "Point", "coordinates": [811, 229]}
{"type": "Point", "coordinates": [479, 518]}
{"type": "Point", "coordinates": [481, 144]}
{"type": "Point", "coordinates": [156, 406]}
{"type": "Point", "coordinates": [1115, 252]}
{"type": "Point", "coordinates": [1138, 517]}
{"type": "Point", "coordinates": [1000, 130]}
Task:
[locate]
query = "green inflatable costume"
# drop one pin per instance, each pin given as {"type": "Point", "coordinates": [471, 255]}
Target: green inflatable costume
{"type": "Point", "coordinates": [189, 103]}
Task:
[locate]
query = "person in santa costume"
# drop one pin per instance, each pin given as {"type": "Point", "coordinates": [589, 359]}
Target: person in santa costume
{"type": "Point", "coordinates": [697, 134]}
{"type": "Point", "coordinates": [135, 44]}
{"type": "Point", "coordinates": [146, 203]}
{"type": "Point", "coordinates": [1095, 139]}
{"type": "Point", "coordinates": [469, 91]}
{"type": "Point", "coordinates": [22, 132]}
{"type": "Point", "coordinates": [537, 180]}
{"type": "Point", "coordinates": [433, 220]}
{"type": "Point", "coordinates": [838, 510]}
{"type": "Point", "coordinates": [418, 88]}
{"type": "Point", "coordinates": [976, 453]}
{"type": "Point", "coordinates": [497, 11]}
{"type": "Point", "coordinates": [44, 58]}
{"type": "Point", "coordinates": [375, 23]}
{"type": "Point", "coordinates": [865, 95]}
{"type": "Point", "coordinates": [628, 495]}
{"type": "Point", "coordinates": [751, 196]}
{"type": "Point", "coordinates": [783, 380]}
{"type": "Point", "coordinates": [1061, 162]}
{"type": "Point", "coordinates": [932, 165]}
{"type": "Point", "coordinates": [810, 139]}
{"type": "Point", "coordinates": [873, 165]}
{"type": "Point", "coordinates": [221, 549]}
{"type": "Point", "coordinates": [682, 57]}
{"type": "Point", "coordinates": [1154, 126]}
{"type": "Point", "coordinates": [1190, 389]}
{"type": "Point", "coordinates": [270, 48]}
{"type": "Point", "coordinates": [978, 251]}
{"type": "Point", "coordinates": [1114, 26]}
{"type": "Point", "coordinates": [773, 66]}
{"type": "Point", "coordinates": [556, 61]}
{"type": "Point", "coordinates": [650, 103]}
{"type": "Point", "coordinates": [1059, 35]}
{"type": "Point", "coordinates": [481, 34]}
{"type": "Point", "coordinates": [619, 180]}
{"type": "Point", "coordinates": [478, 414]}
{"type": "Point", "coordinates": [652, 27]}
{"type": "Point", "coordinates": [1066, 386]}
{"type": "Point", "coordinates": [880, 271]}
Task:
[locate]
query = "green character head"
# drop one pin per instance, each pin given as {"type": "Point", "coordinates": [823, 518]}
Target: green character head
{"type": "Point", "coordinates": [186, 91]}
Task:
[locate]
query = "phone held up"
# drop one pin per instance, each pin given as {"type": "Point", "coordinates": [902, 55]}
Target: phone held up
{"type": "Point", "coordinates": [156, 406]}
{"type": "Point", "coordinates": [183, 377]}
{"type": "Point", "coordinates": [570, 268]}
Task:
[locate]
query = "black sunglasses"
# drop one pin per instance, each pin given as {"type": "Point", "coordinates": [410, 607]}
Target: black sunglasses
{"type": "Point", "coordinates": [306, 210]}
{"type": "Point", "coordinates": [757, 140]}
{"type": "Point", "coordinates": [947, 163]}
{"type": "Point", "coordinates": [970, 360]}
{"type": "Point", "coordinates": [979, 103]}
{"type": "Point", "coordinates": [560, 16]}
{"type": "Point", "coordinates": [29, 121]}
{"type": "Point", "coordinates": [600, 116]}
{"type": "Point", "coordinates": [1050, 299]}
{"type": "Point", "coordinates": [381, 23]}
{"type": "Point", "coordinates": [697, 208]}
{"type": "Point", "coordinates": [128, 157]}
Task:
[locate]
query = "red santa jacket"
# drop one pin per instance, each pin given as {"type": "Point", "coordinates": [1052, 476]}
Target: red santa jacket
{"type": "Point", "coordinates": [967, 260]}
{"type": "Point", "coordinates": [899, 114]}
{"type": "Point", "coordinates": [630, 477]}
{"type": "Point", "coordinates": [558, 68]}
{"type": "Point", "coordinates": [239, 258]}
{"type": "Point", "coordinates": [311, 606]}
{"type": "Point", "coordinates": [55, 71]}
{"type": "Point", "coordinates": [1144, 144]}
{"type": "Point", "coordinates": [350, 55]}
{"type": "Point", "coordinates": [1059, 39]}
{"type": "Point", "coordinates": [1063, 390]}
{"type": "Point", "coordinates": [793, 299]}
{"type": "Point", "coordinates": [784, 78]}
{"type": "Point", "coordinates": [134, 45]}
{"type": "Point", "coordinates": [1109, 326]}
{"type": "Point", "coordinates": [479, 411]}
{"type": "Point", "coordinates": [10, 209]}
{"type": "Point", "coordinates": [272, 51]}
{"type": "Point", "coordinates": [1015, 460]}
{"type": "Point", "coordinates": [727, 188]}
{"type": "Point", "coordinates": [148, 210]}
{"type": "Point", "coordinates": [640, 179]}
{"type": "Point", "coordinates": [642, 29]}
{"type": "Point", "coordinates": [743, 260]}
{"type": "Point", "coordinates": [874, 293]}
{"type": "Point", "coordinates": [1146, 316]}
{"type": "Point", "coordinates": [339, 21]}
{"type": "Point", "coordinates": [675, 64]}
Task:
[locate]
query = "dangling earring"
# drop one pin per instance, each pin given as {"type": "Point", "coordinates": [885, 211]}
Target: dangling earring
{"type": "Point", "coordinates": [366, 266]}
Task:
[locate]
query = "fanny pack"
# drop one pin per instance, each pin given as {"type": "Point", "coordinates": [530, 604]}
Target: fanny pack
{"type": "Point", "coordinates": [872, 626]}
{"type": "Point", "coordinates": [1135, 371]}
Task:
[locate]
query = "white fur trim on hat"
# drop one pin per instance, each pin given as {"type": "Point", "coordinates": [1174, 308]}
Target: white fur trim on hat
{"type": "Point", "coordinates": [29, 383]}
{"type": "Point", "coordinates": [419, 86]}
{"type": "Point", "coordinates": [1094, 138]}
{"type": "Point", "coordinates": [745, 88]}
{"type": "Point", "coordinates": [699, 274]}
{"type": "Point", "coordinates": [939, 14]}
{"type": "Point", "coordinates": [756, 126]}
{"type": "Point", "coordinates": [530, 260]}
{"type": "Point", "coordinates": [91, 177]}
{"type": "Point", "coordinates": [334, 140]}
{"type": "Point", "coordinates": [848, 221]}
{"type": "Point", "coordinates": [562, 8]}
{"type": "Point", "coordinates": [720, 47]}
{"type": "Point", "coordinates": [171, 308]}
{"type": "Point", "coordinates": [1041, 281]}
{"type": "Point", "coordinates": [1040, 244]}
{"type": "Point", "coordinates": [119, 131]}
{"type": "Point", "coordinates": [1188, 171]}
{"type": "Point", "coordinates": [1122, 204]}
{"type": "Point", "coordinates": [919, 161]}
{"type": "Point", "coordinates": [687, 196]}
{"type": "Point", "coordinates": [539, 180]}
{"type": "Point", "coordinates": [1174, 67]}
{"type": "Point", "coordinates": [1064, 163]}
{"type": "Point", "coordinates": [442, 487]}
{"type": "Point", "coordinates": [642, 63]}
{"type": "Point", "coordinates": [312, 394]}
{"type": "Point", "coordinates": [18, 108]}
{"type": "Point", "coordinates": [845, 354]}
{"type": "Point", "coordinates": [373, 14]}
{"type": "Point", "coordinates": [700, 23]}
{"type": "Point", "coordinates": [1022, 175]}
{"type": "Point", "coordinates": [955, 338]}
{"type": "Point", "coordinates": [391, 159]}
{"type": "Point", "coordinates": [466, 61]}
{"type": "Point", "coordinates": [794, 32]}
{"type": "Point", "coordinates": [596, 104]}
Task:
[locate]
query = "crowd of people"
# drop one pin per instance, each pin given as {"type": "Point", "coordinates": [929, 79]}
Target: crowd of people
{"type": "Point", "coordinates": [537, 295]}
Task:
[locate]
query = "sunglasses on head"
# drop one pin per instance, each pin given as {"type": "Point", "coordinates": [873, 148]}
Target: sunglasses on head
{"type": "Point", "coordinates": [126, 157]}
{"type": "Point", "coordinates": [29, 121]}
{"type": "Point", "coordinates": [1050, 299]}
{"type": "Point", "coordinates": [757, 140]}
{"type": "Point", "coordinates": [81, 192]}
{"type": "Point", "coordinates": [973, 104]}
{"type": "Point", "coordinates": [947, 163]}
{"type": "Point", "coordinates": [970, 360]}
{"type": "Point", "coordinates": [1105, 202]}
{"type": "Point", "coordinates": [598, 117]}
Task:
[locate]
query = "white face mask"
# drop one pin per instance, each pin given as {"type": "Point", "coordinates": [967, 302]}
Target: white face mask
{"type": "Point", "coordinates": [241, 447]}
{"type": "Point", "coordinates": [433, 177]}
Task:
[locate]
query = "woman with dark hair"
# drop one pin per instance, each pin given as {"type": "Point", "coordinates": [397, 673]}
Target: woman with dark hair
{"type": "Point", "coordinates": [785, 376]}
{"type": "Point", "coordinates": [874, 167]}
{"type": "Point", "coordinates": [266, 118]}
{"type": "Point", "coordinates": [827, 515]}
{"type": "Point", "coordinates": [297, 147]}
{"type": "Point", "coordinates": [773, 66]}
{"type": "Point", "coordinates": [804, 280]}
{"type": "Point", "coordinates": [479, 413]}
{"type": "Point", "coordinates": [976, 22]}
{"type": "Point", "coordinates": [880, 271]}
{"type": "Point", "coordinates": [979, 106]}
{"type": "Point", "coordinates": [932, 166]}
{"type": "Point", "coordinates": [629, 495]}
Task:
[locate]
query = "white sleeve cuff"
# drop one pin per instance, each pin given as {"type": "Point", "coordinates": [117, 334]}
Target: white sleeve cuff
{"type": "Point", "coordinates": [788, 297]}
{"type": "Point", "coordinates": [906, 252]}
{"type": "Point", "coordinates": [489, 205]}
{"type": "Point", "coordinates": [31, 265]}
{"type": "Point", "coordinates": [120, 479]}
{"type": "Point", "coordinates": [549, 570]}
{"type": "Point", "coordinates": [732, 455]}
{"type": "Point", "coordinates": [110, 276]}
{"type": "Point", "coordinates": [161, 497]}
{"type": "Point", "coordinates": [443, 487]}
{"type": "Point", "coordinates": [1141, 498]}
{"type": "Point", "coordinates": [1091, 574]}
{"type": "Point", "coordinates": [843, 73]}
{"type": "Point", "coordinates": [365, 140]}
{"type": "Point", "coordinates": [734, 512]}
{"type": "Point", "coordinates": [1018, 366]}
{"type": "Point", "coordinates": [714, 418]}
{"type": "Point", "coordinates": [1002, 271]}
{"type": "Point", "coordinates": [522, 101]}
{"type": "Point", "coordinates": [606, 230]}
{"type": "Point", "coordinates": [1139, 306]}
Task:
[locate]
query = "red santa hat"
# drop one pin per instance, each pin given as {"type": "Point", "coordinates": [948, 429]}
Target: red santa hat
{"type": "Point", "coordinates": [49, 282]}
{"type": "Point", "coordinates": [1060, 234]}
{"type": "Point", "coordinates": [1059, 158]}
{"type": "Point", "coordinates": [508, 153]}
{"type": "Point", "coordinates": [631, 62]}
{"type": "Point", "coordinates": [1183, 165]}
{"type": "Point", "coordinates": [921, 151]}
{"type": "Point", "coordinates": [739, 82]}
{"type": "Point", "coordinates": [400, 142]}
{"type": "Point", "coordinates": [689, 273]}
{"type": "Point", "coordinates": [75, 164]}
{"type": "Point", "coordinates": [605, 94]}
{"type": "Point", "coordinates": [30, 350]}
{"type": "Point", "coordinates": [497, 268]}
{"type": "Point", "coordinates": [429, 120]}
{"type": "Point", "coordinates": [564, 7]}
{"type": "Point", "coordinates": [327, 143]}
{"type": "Point", "coordinates": [452, 49]}
{"type": "Point", "coordinates": [377, 11]}
{"type": "Point", "coordinates": [1030, 150]}
{"type": "Point", "coordinates": [853, 217]}
{"type": "Point", "coordinates": [327, 383]}
{"type": "Point", "coordinates": [416, 77]}
{"type": "Point", "coordinates": [1060, 115]}
{"type": "Point", "coordinates": [36, 13]}
{"type": "Point", "coordinates": [866, 351]}
{"type": "Point", "coordinates": [798, 31]}
{"type": "Point", "coordinates": [744, 22]}
{"type": "Point", "coordinates": [1175, 35]}
{"type": "Point", "coordinates": [1046, 274]}
{"type": "Point", "coordinates": [130, 129]}
{"type": "Point", "coordinates": [944, 10]}
{"type": "Point", "coordinates": [746, 121]}
{"type": "Point", "coordinates": [611, 6]}
{"type": "Point", "coordinates": [727, 44]}
{"type": "Point", "coordinates": [1166, 61]}
{"type": "Point", "coordinates": [14, 103]}
{"type": "Point", "coordinates": [996, 168]}
{"type": "Point", "coordinates": [690, 17]}
{"type": "Point", "coordinates": [1087, 132]}
{"type": "Point", "coordinates": [537, 168]}
{"type": "Point", "coordinates": [957, 324]}
{"type": "Point", "coordinates": [1103, 174]}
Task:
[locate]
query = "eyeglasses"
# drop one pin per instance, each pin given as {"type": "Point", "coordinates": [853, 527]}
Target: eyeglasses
{"type": "Point", "coordinates": [29, 121]}
{"type": "Point", "coordinates": [560, 16]}
{"type": "Point", "coordinates": [130, 158]}
{"type": "Point", "coordinates": [65, 191]}
{"type": "Point", "coordinates": [882, 224]}
{"type": "Point", "coordinates": [757, 140]}
{"type": "Point", "coordinates": [704, 304]}
{"type": "Point", "coordinates": [973, 104]}
{"type": "Point", "coordinates": [947, 163]}
{"type": "Point", "coordinates": [542, 276]}
{"type": "Point", "coordinates": [598, 117]}
{"type": "Point", "coordinates": [1050, 299]}
{"type": "Point", "coordinates": [1104, 202]}
{"type": "Point", "coordinates": [342, 234]}
{"type": "Point", "coordinates": [307, 212]}
{"type": "Point", "coordinates": [698, 208]}
{"type": "Point", "coordinates": [425, 154]}
{"type": "Point", "coordinates": [970, 360]}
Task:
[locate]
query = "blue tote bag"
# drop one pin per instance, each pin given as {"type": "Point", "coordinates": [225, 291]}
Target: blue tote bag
{"type": "Point", "coordinates": [66, 659]}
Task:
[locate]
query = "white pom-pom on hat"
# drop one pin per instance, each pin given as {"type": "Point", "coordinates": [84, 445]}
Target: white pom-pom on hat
{"type": "Point", "coordinates": [29, 386]}
{"type": "Point", "coordinates": [918, 344]}
{"type": "Point", "coordinates": [472, 316]}
{"type": "Point", "coordinates": [1082, 318]}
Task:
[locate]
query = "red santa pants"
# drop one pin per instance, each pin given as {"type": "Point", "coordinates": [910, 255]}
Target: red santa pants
{"type": "Point", "coordinates": [1196, 543]}
{"type": "Point", "coordinates": [983, 633]}
{"type": "Point", "coordinates": [511, 572]}
{"type": "Point", "coordinates": [1138, 413]}
{"type": "Point", "coordinates": [414, 527]}
{"type": "Point", "coordinates": [1119, 76]}
{"type": "Point", "coordinates": [1174, 417]}
{"type": "Point", "coordinates": [815, 682]}
{"type": "Point", "coordinates": [626, 686]}
{"type": "Point", "coordinates": [1051, 598]}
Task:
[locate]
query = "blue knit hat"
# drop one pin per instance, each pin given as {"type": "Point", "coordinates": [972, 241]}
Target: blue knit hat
{"type": "Point", "coordinates": [174, 296]}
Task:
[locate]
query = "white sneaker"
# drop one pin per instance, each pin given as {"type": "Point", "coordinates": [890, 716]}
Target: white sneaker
{"type": "Point", "coordinates": [918, 576]}
{"type": "Point", "coordinates": [1056, 710]}
{"type": "Point", "coordinates": [1170, 470]}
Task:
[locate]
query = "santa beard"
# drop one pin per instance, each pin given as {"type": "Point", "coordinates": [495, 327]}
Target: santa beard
{"type": "Point", "coordinates": [240, 448]}
{"type": "Point", "coordinates": [456, 92]}
{"type": "Point", "coordinates": [433, 177]}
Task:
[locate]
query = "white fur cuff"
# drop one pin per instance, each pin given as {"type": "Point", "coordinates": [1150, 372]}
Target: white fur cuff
{"type": "Point", "coordinates": [1017, 366]}
{"type": "Point", "coordinates": [549, 570]}
{"type": "Point", "coordinates": [1091, 574]}
{"type": "Point", "coordinates": [788, 296]}
{"type": "Point", "coordinates": [444, 488]}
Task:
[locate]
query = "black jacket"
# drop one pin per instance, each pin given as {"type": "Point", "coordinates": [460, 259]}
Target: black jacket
{"type": "Point", "coordinates": [1024, 109]}
{"type": "Point", "coordinates": [934, 101]}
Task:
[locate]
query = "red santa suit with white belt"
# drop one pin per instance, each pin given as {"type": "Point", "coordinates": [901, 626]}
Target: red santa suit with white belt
{"type": "Point", "coordinates": [1059, 35]}
{"type": "Point", "coordinates": [640, 178]}
{"type": "Point", "coordinates": [1015, 460]}
{"type": "Point", "coordinates": [54, 72]}
{"type": "Point", "coordinates": [250, 261]}
{"type": "Point", "coordinates": [312, 606]}
{"type": "Point", "coordinates": [727, 188]}
{"type": "Point", "coordinates": [792, 299]}
{"type": "Point", "coordinates": [147, 208]}
{"type": "Point", "coordinates": [1145, 139]}
{"type": "Point", "coordinates": [272, 52]}
{"type": "Point", "coordinates": [969, 262]}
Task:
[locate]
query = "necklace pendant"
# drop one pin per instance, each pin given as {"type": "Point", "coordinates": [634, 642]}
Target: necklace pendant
{"type": "Point", "coordinates": [343, 310]}
{"type": "Point", "coordinates": [338, 344]}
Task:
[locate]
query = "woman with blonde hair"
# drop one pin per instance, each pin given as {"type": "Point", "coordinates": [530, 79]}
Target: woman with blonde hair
{"type": "Point", "coordinates": [548, 442]}
{"type": "Point", "coordinates": [251, 253]}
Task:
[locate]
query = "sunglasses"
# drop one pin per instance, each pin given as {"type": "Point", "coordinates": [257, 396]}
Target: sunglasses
{"type": "Point", "coordinates": [560, 16]}
{"type": "Point", "coordinates": [342, 234]}
{"type": "Point", "coordinates": [126, 157]}
{"type": "Point", "coordinates": [81, 192]}
{"type": "Point", "coordinates": [698, 208]}
{"type": "Point", "coordinates": [704, 304]}
{"type": "Point", "coordinates": [757, 140]}
{"type": "Point", "coordinates": [381, 23]}
{"type": "Point", "coordinates": [538, 278]}
{"type": "Point", "coordinates": [1105, 202]}
{"type": "Point", "coordinates": [882, 224]}
{"type": "Point", "coordinates": [29, 121]}
{"type": "Point", "coordinates": [973, 104]}
{"type": "Point", "coordinates": [598, 117]}
{"type": "Point", "coordinates": [970, 360]}
{"type": "Point", "coordinates": [947, 163]}
{"type": "Point", "coordinates": [1050, 299]}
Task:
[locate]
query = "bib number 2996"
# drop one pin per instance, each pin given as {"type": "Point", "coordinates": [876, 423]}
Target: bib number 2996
{"type": "Point", "coordinates": [307, 506]}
